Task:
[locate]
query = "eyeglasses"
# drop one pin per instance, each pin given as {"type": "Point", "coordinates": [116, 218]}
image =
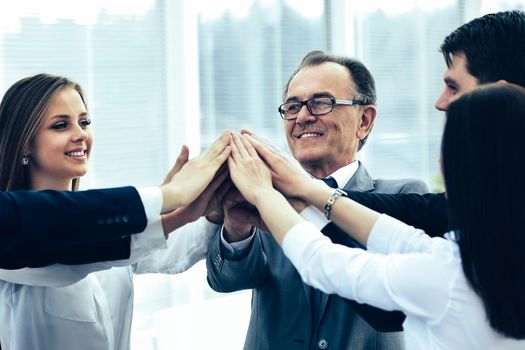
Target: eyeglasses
{"type": "Point", "coordinates": [316, 106]}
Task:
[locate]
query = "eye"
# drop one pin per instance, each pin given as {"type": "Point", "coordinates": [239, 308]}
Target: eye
{"type": "Point", "coordinates": [292, 107]}
{"type": "Point", "coordinates": [452, 88]}
{"type": "Point", "coordinates": [59, 125]}
{"type": "Point", "coordinates": [84, 123]}
{"type": "Point", "coordinates": [320, 103]}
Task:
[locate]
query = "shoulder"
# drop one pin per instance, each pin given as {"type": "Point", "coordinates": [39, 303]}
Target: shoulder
{"type": "Point", "coordinates": [400, 186]}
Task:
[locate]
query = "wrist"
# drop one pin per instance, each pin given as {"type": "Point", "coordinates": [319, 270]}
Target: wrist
{"type": "Point", "coordinates": [264, 195]}
{"type": "Point", "coordinates": [317, 194]}
{"type": "Point", "coordinates": [170, 196]}
{"type": "Point", "coordinates": [331, 201]}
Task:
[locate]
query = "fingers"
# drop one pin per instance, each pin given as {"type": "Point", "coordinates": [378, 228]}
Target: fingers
{"type": "Point", "coordinates": [241, 148]}
{"type": "Point", "coordinates": [249, 147]}
{"type": "Point", "coordinates": [262, 141]}
{"type": "Point", "coordinates": [266, 154]}
{"type": "Point", "coordinates": [182, 159]}
{"type": "Point", "coordinates": [220, 144]}
{"type": "Point", "coordinates": [219, 160]}
{"type": "Point", "coordinates": [234, 155]}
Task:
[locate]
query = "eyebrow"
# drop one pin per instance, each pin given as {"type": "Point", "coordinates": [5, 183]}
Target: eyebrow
{"type": "Point", "coordinates": [317, 94]}
{"type": "Point", "coordinates": [61, 116]}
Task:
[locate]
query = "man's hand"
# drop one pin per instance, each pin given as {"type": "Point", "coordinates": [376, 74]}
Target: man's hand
{"type": "Point", "coordinates": [239, 217]}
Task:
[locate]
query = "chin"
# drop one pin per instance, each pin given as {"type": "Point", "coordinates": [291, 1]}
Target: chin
{"type": "Point", "coordinates": [78, 173]}
{"type": "Point", "coordinates": [309, 157]}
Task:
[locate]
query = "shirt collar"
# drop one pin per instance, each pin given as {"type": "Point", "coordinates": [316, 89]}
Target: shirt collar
{"type": "Point", "coordinates": [344, 174]}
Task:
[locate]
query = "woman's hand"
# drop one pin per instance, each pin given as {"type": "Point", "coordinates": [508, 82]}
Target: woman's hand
{"type": "Point", "coordinates": [185, 183]}
{"type": "Point", "coordinates": [248, 172]}
{"type": "Point", "coordinates": [207, 202]}
{"type": "Point", "coordinates": [287, 175]}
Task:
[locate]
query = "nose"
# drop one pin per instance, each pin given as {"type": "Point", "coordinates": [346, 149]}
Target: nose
{"type": "Point", "coordinates": [442, 101]}
{"type": "Point", "coordinates": [304, 116]}
{"type": "Point", "coordinates": [80, 134]}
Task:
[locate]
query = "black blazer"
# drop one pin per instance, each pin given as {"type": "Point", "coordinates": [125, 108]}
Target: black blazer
{"type": "Point", "coordinates": [42, 228]}
{"type": "Point", "coordinates": [427, 212]}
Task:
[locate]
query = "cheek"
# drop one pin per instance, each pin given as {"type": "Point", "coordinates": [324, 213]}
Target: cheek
{"type": "Point", "coordinates": [288, 127]}
{"type": "Point", "coordinates": [346, 129]}
{"type": "Point", "coordinates": [42, 148]}
{"type": "Point", "coordinates": [89, 142]}
{"type": "Point", "coordinates": [288, 130]}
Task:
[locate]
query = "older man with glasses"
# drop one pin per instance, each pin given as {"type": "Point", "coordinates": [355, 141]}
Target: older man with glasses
{"type": "Point", "coordinates": [328, 111]}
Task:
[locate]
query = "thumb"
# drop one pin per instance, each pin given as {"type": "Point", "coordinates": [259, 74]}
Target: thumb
{"type": "Point", "coordinates": [179, 163]}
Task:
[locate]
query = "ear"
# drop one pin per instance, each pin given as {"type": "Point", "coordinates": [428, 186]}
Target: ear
{"type": "Point", "coordinates": [366, 122]}
{"type": "Point", "coordinates": [502, 82]}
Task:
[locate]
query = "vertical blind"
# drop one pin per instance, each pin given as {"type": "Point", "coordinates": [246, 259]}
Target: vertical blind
{"type": "Point", "coordinates": [117, 54]}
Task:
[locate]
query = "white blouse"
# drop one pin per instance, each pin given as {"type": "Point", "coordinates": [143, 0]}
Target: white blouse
{"type": "Point", "coordinates": [406, 270]}
{"type": "Point", "coordinates": [90, 306]}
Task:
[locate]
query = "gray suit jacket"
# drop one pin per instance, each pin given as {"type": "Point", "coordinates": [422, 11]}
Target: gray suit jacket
{"type": "Point", "coordinates": [281, 315]}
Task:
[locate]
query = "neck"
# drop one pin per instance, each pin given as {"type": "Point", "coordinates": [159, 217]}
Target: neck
{"type": "Point", "coordinates": [57, 184]}
{"type": "Point", "coordinates": [320, 170]}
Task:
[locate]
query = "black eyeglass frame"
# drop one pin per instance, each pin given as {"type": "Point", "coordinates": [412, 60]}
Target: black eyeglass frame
{"type": "Point", "coordinates": [335, 102]}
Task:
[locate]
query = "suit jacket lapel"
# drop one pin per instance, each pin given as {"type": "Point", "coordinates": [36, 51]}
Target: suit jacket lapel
{"type": "Point", "coordinates": [361, 181]}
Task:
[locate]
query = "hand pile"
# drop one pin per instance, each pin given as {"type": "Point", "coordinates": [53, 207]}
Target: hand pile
{"type": "Point", "coordinates": [226, 181]}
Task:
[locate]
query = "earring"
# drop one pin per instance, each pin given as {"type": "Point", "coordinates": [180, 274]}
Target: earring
{"type": "Point", "coordinates": [25, 160]}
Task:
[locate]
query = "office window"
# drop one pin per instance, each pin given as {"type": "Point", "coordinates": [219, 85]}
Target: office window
{"type": "Point", "coordinates": [246, 58]}
{"type": "Point", "coordinates": [116, 52]}
{"type": "Point", "coordinates": [400, 45]}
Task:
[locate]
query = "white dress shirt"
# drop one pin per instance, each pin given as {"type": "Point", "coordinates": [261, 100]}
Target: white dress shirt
{"type": "Point", "coordinates": [90, 306]}
{"type": "Point", "coordinates": [403, 269]}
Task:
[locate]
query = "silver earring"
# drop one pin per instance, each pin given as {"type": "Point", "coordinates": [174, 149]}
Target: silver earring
{"type": "Point", "coordinates": [25, 160]}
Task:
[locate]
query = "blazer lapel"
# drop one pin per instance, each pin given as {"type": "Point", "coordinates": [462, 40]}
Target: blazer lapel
{"type": "Point", "coordinates": [361, 181]}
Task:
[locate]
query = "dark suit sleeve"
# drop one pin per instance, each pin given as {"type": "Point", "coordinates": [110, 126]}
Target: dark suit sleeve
{"type": "Point", "coordinates": [232, 274]}
{"type": "Point", "coordinates": [40, 228]}
{"type": "Point", "coordinates": [427, 212]}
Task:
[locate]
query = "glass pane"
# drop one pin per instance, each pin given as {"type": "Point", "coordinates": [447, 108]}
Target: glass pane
{"type": "Point", "coordinates": [401, 48]}
{"type": "Point", "coordinates": [245, 60]}
{"type": "Point", "coordinates": [116, 52]}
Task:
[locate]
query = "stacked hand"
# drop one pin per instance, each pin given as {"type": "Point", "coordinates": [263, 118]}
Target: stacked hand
{"type": "Point", "coordinates": [203, 185]}
{"type": "Point", "coordinates": [189, 178]}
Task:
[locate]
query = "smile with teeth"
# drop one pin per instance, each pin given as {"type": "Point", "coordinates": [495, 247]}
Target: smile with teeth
{"type": "Point", "coordinates": [76, 153]}
{"type": "Point", "coordinates": [310, 134]}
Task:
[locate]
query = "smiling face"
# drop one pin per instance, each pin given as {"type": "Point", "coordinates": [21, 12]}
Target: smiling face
{"type": "Point", "coordinates": [61, 147]}
{"type": "Point", "coordinates": [457, 80]}
{"type": "Point", "coordinates": [326, 143]}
